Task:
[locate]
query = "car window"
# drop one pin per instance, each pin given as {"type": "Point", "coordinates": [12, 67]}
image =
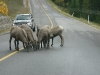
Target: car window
{"type": "Point", "coordinates": [23, 17]}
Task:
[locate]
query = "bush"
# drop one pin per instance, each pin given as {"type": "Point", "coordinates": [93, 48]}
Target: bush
{"type": "Point", "coordinates": [3, 8]}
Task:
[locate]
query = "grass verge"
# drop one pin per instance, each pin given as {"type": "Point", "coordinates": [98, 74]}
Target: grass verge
{"type": "Point", "coordinates": [61, 10]}
{"type": "Point", "coordinates": [4, 31]}
{"type": "Point", "coordinates": [16, 7]}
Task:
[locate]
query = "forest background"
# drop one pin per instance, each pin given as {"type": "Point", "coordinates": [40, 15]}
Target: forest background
{"type": "Point", "coordinates": [12, 7]}
{"type": "Point", "coordinates": [81, 8]}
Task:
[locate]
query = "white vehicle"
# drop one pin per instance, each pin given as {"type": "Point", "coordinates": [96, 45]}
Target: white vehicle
{"type": "Point", "coordinates": [24, 19]}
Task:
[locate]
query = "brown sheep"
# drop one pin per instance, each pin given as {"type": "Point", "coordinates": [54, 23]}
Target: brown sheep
{"type": "Point", "coordinates": [43, 36]}
{"type": "Point", "coordinates": [57, 31]}
{"type": "Point", "coordinates": [54, 31]}
{"type": "Point", "coordinates": [42, 41]}
{"type": "Point", "coordinates": [30, 35]}
{"type": "Point", "coordinates": [19, 35]}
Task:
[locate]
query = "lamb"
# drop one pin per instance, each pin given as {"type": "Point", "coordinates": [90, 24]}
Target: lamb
{"type": "Point", "coordinates": [19, 35]}
{"type": "Point", "coordinates": [43, 36]}
{"type": "Point", "coordinates": [57, 31]}
{"type": "Point", "coordinates": [30, 35]}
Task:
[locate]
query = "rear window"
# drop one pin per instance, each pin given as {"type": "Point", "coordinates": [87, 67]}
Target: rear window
{"type": "Point", "coordinates": [23, 17]}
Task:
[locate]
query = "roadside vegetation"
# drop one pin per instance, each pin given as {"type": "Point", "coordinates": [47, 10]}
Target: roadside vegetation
{"type": "Point", "coordinates": [79, 9]}
{"type": "Point", "coordinates": [11, 8]}
{"type": "Point", "coordinates": [15, 7]}
{"type": "Point", "coordinates": [3, 8]}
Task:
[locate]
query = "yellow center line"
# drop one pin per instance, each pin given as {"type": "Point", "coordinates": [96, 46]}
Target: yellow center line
{"type": "Point", "coordinates": [46, 14]}
{"type": "Point", "coordinates": [7, 56]}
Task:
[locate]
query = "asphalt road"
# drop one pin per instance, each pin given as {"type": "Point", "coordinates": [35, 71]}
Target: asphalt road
{"type": "Point", "coordinates": [80, 54]}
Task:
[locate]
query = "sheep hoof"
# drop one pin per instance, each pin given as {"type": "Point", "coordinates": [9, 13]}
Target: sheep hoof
{"type": "Point", "coordinates": [51, 44]}
{"type": "Point", "coordinates": [61, 45]}
{"type": "Point", "coordinates": [10, 48]}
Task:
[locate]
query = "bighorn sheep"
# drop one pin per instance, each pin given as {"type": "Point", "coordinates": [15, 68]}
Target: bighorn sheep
{"type": "Point", "coordinates": [54, 31]}
{"type": "Point", "coordinates": [43, 36]}
{"type": "Point", "coordinates": [19, 35]}
{"type": "Point", "coordinates": [30, 35]}
{"type": "Point", "coordinates": [57, 31]}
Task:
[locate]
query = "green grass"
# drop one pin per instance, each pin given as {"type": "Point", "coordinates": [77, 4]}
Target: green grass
{"type": "Point", "coordinates": [63, 11]}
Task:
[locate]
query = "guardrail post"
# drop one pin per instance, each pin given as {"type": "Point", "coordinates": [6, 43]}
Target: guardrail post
{"type": "Point", "coordinates": [72, 14]}
{"type": "Point", "coordinates": [88, 18]}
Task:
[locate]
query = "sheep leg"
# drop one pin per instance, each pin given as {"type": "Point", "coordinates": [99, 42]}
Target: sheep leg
{"type": "Point", "coordinates": [52, 42]}
{"type": "Point", "coordinates": [10, 43]}
{"type": "Point", "coordinates": [62, 40]}
{"type": "Point", "coordinates": [44, 43]}
{"type": "Point", "coordinates": [17, 45]}
{"type": "Point", "coordinates": [48, 40]}
{"type": "Point", "coordinates": [27, 46]}
{"type": "Point", "coordinates": [34, 46]}
{"type": "Point", "coordinates": [41, 44]}
{"type": "Point", "coordinates": [38, 46]}
{"type": "Point", "coordinates": [24, 45]}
